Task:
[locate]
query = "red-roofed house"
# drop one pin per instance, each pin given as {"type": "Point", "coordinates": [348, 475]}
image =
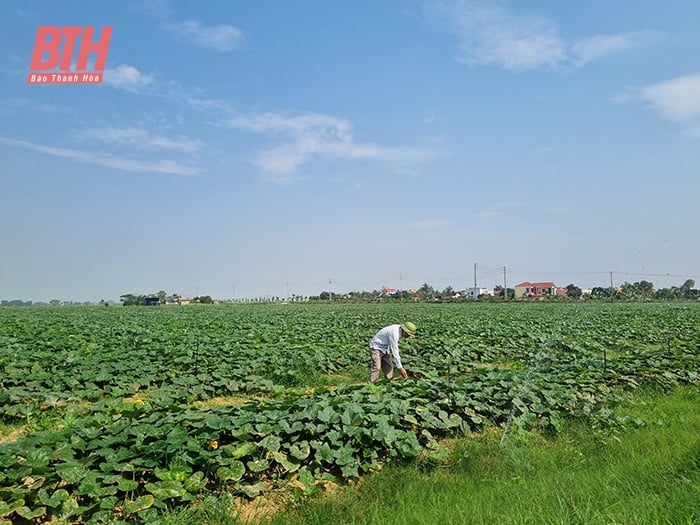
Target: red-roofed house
{"type": "Point", "coordinates": [534, 290]}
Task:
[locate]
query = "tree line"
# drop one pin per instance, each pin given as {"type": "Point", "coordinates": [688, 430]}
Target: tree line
{"type": "Point", "coordinates": [637, 291]}
{"type": "Point", "coordinates": [160, 298]}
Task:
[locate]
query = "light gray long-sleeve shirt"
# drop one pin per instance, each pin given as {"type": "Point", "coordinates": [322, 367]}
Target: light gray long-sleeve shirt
{"type": "Point", "coordinates": [387, 340]}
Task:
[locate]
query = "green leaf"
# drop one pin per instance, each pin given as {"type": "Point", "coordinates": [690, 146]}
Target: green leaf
{"type": "Point", "coordinates": [350, 471]}
{"type": "Point", "coordinates": [411, 419]}
{"type": "Point", "coordinates": [109, 502]}
{"type": "Point", "coordinates": [165, 490]}
{"type": "Point", "coordinates": [328, 415]}
{"type": "Point", "coordinates": [234, 472]}
{"type": "Point", "coordinates": [8, 508]}
{"type": "Point", "coordinates": [240, 451]}
{"type": "Point", "coordinates": [141, 503]}
{"type": "Point", "coordinates": [127, 485]}
{"type": "Point", "coordinates": [253, 491]}
{"type": "Point", "coordinates": [177, 472]}
{"type": "Point", "coordinates": [217, 422]}
{"type": "Point", "coordinates": [344, 455]}
{"type": "Point", "coordinates": [300, 450]}
{"type": "Point", "coordinates": [28, 514]}
{"type": "Point", "coordinates": [308, 480]}
{"type": "Point", "coordinates": [324, 453]}
{"type": "Point", "coordinates": [69, 508]}
{"type": "Point", "coordinates": [56, 498]}
{"type": "Point", "coordinates": [258, 465]}
{"type": "Point", "coordinates": [71, 472]}
{"type": "Point", "coordinates": [63, 452]}
{"type": "Point", "coordinates": [271, 443]}
{"type": "Point", "coordinates": [38, 459]}
{"type": "Point", "coordinates": [89, 485]}
{"type": "Point", "coordinates": [283, 460]}
{"type": "Point", "coordinates": [196, 482]}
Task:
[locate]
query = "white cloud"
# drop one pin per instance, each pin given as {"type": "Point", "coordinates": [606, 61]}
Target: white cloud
{"type": "Point", "coordinates": [496, 36]}
{"type": "Point", "coordinates": [223, 37]}
{"type": "Point", "coordinates": [127, 77]}
{"type": "Point", "coordinates": [314, 135]}
{"type": "Point", "coordinates": [490, 35]}
{"type": "Point", "coordinates": [593, 48]}
{"type": "Point", "coordinates": [677, 99]}
{"type": "Point", "coordinates": [141, 139]}
{"type": "Point", "coordinates": [160, 166]}
{"type": "Point", "coordinates": [305, 124]}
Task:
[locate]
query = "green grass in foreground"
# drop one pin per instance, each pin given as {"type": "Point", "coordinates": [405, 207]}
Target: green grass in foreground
{"type": "Point", "coordinates": [649, 475]}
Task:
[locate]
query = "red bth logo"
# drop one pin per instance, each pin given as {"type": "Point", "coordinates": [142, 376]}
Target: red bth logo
{"type": "Point", "coordinates": [51, 63]}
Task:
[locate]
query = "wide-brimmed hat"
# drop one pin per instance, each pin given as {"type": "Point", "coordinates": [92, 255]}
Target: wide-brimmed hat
{"type": "Point", "coordinates": [409, 328]}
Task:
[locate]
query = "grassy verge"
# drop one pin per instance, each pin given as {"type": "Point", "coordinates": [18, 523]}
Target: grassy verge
{"type": "Point", "coordinates": [647, 475]}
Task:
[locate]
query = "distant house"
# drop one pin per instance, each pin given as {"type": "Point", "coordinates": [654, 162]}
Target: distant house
{"type": "Point", "coordinates": [386, 292]}
{"type": "Point", "coordinates": [529, 290]}
{"type": "Point", "coordinates": [184, 300]}
{"type": "Point", "coordinates": [475, 293]}
{"type": "Point", "coordinates": [151, 301]}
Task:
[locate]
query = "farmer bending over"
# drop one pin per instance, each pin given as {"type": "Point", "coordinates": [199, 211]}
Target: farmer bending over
{"type": "Point", "coordinates": [384, 345]}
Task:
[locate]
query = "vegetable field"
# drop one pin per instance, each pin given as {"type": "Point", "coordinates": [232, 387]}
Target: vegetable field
{"type": "Point", "coordinates": [117, 413]}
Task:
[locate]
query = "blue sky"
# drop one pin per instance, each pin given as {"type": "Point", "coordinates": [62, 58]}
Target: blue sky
{"type": "Point", "coordinates": [246, 149]}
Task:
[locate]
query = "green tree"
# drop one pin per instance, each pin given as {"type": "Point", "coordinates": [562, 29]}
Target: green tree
{"type": "Point", "coordinates": [448, 292]}
{"type": "Point", "coordinates": [426, 291]}
{"type": "Point", "coordinates": [129, 299]}
{"type": "Point", "coordinates": [686, 288]}
{"type": "Point", "coordinates": [573, 291]}
{"type": "Point", "coordinates": [646, 289]}
{"type": "Point", "coordinates": [602, 293]}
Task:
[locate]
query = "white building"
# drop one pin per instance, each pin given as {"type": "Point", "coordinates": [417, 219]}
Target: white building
{"type": "Point", "coordinates": [474, 293]}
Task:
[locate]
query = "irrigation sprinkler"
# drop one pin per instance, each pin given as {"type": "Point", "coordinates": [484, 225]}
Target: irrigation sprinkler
{"type": "Point", "coordinates": [196, 358]}
{"type": "Point", "coordinates": [525, 383]}
{"type": "Point", "coordinates": [605, 358]}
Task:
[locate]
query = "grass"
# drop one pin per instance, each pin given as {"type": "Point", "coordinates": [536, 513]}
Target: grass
{"type": "Point", "coordinates": [647, 475]}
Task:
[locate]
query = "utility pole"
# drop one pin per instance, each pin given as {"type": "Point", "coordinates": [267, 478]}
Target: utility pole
{"type": "Point", "coordinates": [611, 280]}
{"type": "Point", "coordinates": [330, 292]}
{"type": "Point", "coordinates": [505, 286]}
{"type": "Point", "coordinates": [474, 277]}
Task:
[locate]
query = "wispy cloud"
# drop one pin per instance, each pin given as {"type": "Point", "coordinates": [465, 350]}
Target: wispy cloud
{"type": "Point", "coordinates": [219, 37]}
{"type": "Point", "coordinates": [430, 225]}
{"type": "Point", "coordinates": [488, 214]}
{"type": "Point", "coordinates": [677, 99]}
{"type": "Point", "coordinates": [10, 105]}
{"type": "Point", "coordinates": [596, 47]}
{"type": "Point", "coordinates": [127, 78]}
{"type": "Point", "coordinates": [491, 35]}
{"type": "Point", "coordinates": [312, 135]}
{"type": "Point", "coordinates": [222, 37]}
{"type": "Point", "coordinates": [140, 138]}
{"type": "Point", "coordinates": [133, 165]}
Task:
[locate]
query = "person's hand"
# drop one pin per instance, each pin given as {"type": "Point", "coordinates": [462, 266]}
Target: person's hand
{"type": "Point", "coordinates": [403, 373]}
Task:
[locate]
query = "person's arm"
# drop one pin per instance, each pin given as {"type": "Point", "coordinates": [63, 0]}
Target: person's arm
{"type": "Point", "coordinates": [394, 347]}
